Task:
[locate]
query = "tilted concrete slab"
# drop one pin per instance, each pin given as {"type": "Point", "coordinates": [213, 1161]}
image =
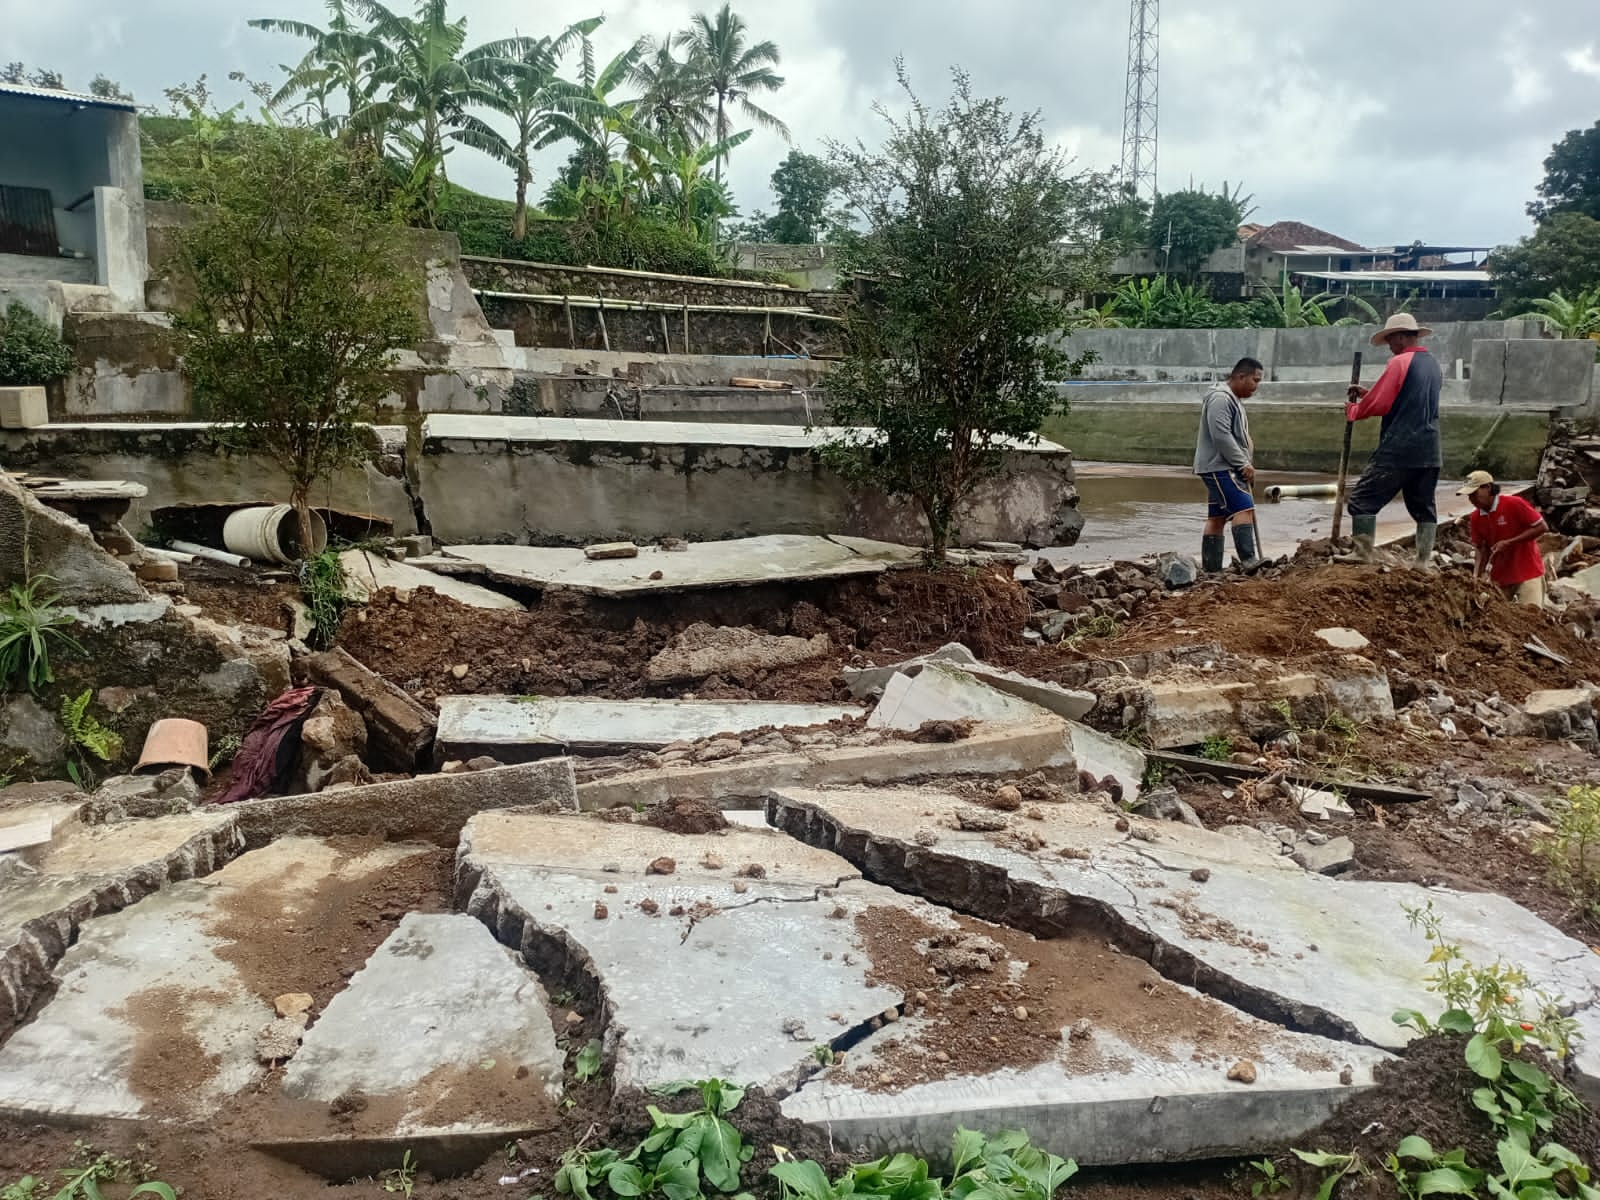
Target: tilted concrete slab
{"type": "Point", "coordinates": [366, 573]}
{"type": "Point", "coordinates": [521, 728]}
{"type": "Point", "coordinates": [432, 807]}
{"type": "Point", "coordinates": [777, 558]}
{"type": "Point", "coordinates": [946, 692]}
{"type": "Point", "coordinates": [446, 1035]}
{"type": "Point", "coordinates": [48, 891]}
{"type": "Point", "coordinates": [152, 985]}
{"type": "Point", "coordinates": [1329, 956]}
{"type": "Point", "coordinates": [1043, 745]}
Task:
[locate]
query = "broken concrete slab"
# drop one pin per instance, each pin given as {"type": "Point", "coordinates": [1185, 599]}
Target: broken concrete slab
{"type": "Point", "coordinates": [1043, 745]}
{"type": "Point", "coordinates": [604, 550]}
{"type": "Point", "coordinates": [1100, 755]}
{"type": "Point", "coordinates": [1563, 713]}
{"type": "Point", "coordinates": [945, 692]}
{"type": "Point", "coordinates": [86, 871]}
{"type": "Point", "coordinates": [400, 730]}
{"type": "Point", "coordinates": [28, 823]}
{"type": "Point", "coordinates": [1319, 803]}
{"type": "Point", "coordinates": [1051, 697]}
{"type": "Point", "coordinates": [702, 650]}
{"type": "Point", "coordinates": [429, 807]}
{"type": "Point", "coordinates": [366, 573]}
{"type": "Point", "coordinates": [1328, 956]}
{"type": "Point", "coordinates": [701, 974]}
{"type": "Point", "coordinates": [524, 728]}
{"type": "Point", "coordinates": [1341, 638]}
{"type": "Point", "coordinates": [740, 562]}
{"type": "Point", "coordinates": [1328, 858]}
{"type": "Point", "coordinates": [155, 983]}
{"type": "Point", "coordinates": [444, 1033]}
{"type": "Point", "coordinates": [865, 682]}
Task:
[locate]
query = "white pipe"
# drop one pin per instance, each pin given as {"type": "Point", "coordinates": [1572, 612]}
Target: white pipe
{"type": "Point", "coordinates": [1301, 491]}
{"type": "Point", "coordinates": [206, 552]}
{"type": "Point", "coordinates": [175, 556]}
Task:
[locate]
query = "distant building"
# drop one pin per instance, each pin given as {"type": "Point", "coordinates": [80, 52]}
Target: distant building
{"type": "Point", "coordinates": [813, 266]}
{"type": "Point", "coordinates": [72, 225]}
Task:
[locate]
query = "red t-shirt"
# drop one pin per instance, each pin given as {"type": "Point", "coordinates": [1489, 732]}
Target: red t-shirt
{"type": "Point", "coordinates": [1510, 516]}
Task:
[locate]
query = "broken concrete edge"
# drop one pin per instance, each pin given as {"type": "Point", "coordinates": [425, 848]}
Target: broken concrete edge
{"type": "Point", "coordinates": [989, 891]}
{"type": "Point", "coordinates": [26, 964]}
{"type": "Point", "coordinates": [1044, 745]}
{"type": "Point", "coordinates": [442, 1154]}
{"type": "Point", "coordinates": [401, 730]}
{"type": "Point", "coordinates": [431, 808]}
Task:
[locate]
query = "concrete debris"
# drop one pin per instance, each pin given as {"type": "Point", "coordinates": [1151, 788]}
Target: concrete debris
{"type": "Point", "coordinates": [1177, 571]}
{"type": "Point", "coordinates": [331, 734]}
{"type": "Point", "coordinates": [1243, 1071]}
{"type": "Point", "coordinates": [400, 730]}
{"type": "Point", "coordinates": [293, 1004]}
{"type": "Point", "coordinates": [1564, 714]}
{"type": "Point", "coordinates": [867, 682]}
{"type": "Point", "coordinates": [604, 550]}
{"type": "Point", "coordinates": [129, 796]}
{"type": "Point", "coordinates": [1337, 854]}
{"type": "Point", "coordinates": [1163, 804]}
{"type": "Point", "coordinates": [1318, 803]}
{"type": "Point", "coordinates": [702, 650]}
{"type": "Point", "coordinates": [278, 1041]}
{"type": "Point", "coordinates": [942, 692]}
{"type": "Point", "coordinates": [365, 574]}
{"type": "Point", "coordinates": [980, 820]}
{"type": "Point", "coordinates": [1341, 638]}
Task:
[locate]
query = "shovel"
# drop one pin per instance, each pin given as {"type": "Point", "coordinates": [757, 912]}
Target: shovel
{"type": "Point", "coordinates": [1344, 457]}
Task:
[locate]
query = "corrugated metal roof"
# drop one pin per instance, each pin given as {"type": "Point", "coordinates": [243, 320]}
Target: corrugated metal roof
{"type": "Point", "coordinates": [1400, 276]}
{"type": "Point", "coordinates": [56, 94]}
{"type": "Point", "coordinates": [1329, 251]}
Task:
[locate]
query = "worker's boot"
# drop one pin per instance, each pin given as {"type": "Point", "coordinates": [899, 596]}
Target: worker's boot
{"type": "Point", "coordinates": [1365, 532]}
{"type": "Point", "coordinates": [1211, 552]}
{"type": "Point", "coordinates": [1244, 544]}
{"type": "Point", "coordinates": [1426, 534]}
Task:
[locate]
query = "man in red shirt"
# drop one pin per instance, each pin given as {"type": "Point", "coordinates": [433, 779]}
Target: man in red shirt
{"type": "Point", "coordinates": [1505, 530]}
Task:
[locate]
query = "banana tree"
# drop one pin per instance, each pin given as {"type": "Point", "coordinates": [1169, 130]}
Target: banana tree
{"type": "Point", "coordinates": [606, 129]}
{"type": "Point", "coordinates": [340, 61]}
{"type": "Point", "coordinates": [1578, 317]}
{"type": "Point", "coordinates": [1087, 317]}
{"type": "Point", "coordinates": [1160, 303]}
{"type": "Point", "coordinates": [526, 89]}
{"type": "Point", "coordinates": [681, 184]}
{"type": "Point", "coordinates": [1292, 309]}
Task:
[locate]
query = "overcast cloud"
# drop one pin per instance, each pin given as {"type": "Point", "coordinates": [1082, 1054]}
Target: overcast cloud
{"type": "Point", "coordinates": [1378, 122]}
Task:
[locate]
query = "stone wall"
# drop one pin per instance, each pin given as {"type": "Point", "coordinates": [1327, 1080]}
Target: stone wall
{"type": "Point", "coordinates": [141, 659]}
{"type": "Point", "coordinates": [548, 279]}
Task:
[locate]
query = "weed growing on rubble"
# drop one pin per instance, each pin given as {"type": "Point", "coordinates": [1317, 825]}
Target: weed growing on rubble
{"type": "Point", "coordinates": [1102, 626]}
{"type": "Point", "coordinates": [1573, 850]}
{"type": "Point", "coordinates": [86, 738]}
{"type": "Point", "coordinates": [402, 1179]}
{"type": "Point", "coordinates": [322, 586]}
{"type": "Point", "coordinates": [30, 625]}
{"type": "Point", "coordinates": [88, 1170]}
{"type": "Point", "coordinates": [1272, 1180]}
{"type": "Point", "coordinates": [1216, 748]}
{"type": "Point", "coordinates": [587, 1064]}
{"type": "Point", "coordinates": [1003, 1167]}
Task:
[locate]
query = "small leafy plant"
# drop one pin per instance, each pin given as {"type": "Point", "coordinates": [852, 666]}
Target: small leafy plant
{"type": "Point", "coordinates": [30, 624]}
{"type": "Point", "coordinates": [1334, 1167]}
{"type": "Point", "coordinates": [86, 738]}
{"type": "Point", "coordinates": [1217, 748]}
{"type": "Point", "coordinates": [1573, 850]}
{"type": "Point", "coordinates": [1004, 1167]}
{"type": "Point", "coordinates": [322, 585]}
{"type": "Point", "coordinates": [587, 1064]}
{"type": "Point", "coordinates": [1272, 1180]}
{"type": "Point", "coordinates": [401, 1179]}
{"type": "Point", "coordinates": [89, 1169]}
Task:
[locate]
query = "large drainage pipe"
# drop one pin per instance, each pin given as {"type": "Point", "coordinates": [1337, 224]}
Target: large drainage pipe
{"type": "Point", "coordinates": [1301, 491]}
{"type": "Point", "coordinates": [272, 534]}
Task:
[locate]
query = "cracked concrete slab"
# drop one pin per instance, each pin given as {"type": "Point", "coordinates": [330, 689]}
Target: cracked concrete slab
{"type": "Point", "coordinates": [153, 985]}
{"type": "Point", "coordinates": [48, 891]}
{"type": "Point", "coordinates": [520, 728]}
{"type": "Point", "coordinates": [1224, 914]}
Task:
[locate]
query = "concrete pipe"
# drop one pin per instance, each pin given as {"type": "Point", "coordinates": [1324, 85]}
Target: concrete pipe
{"type": "Point", "coordinates": [1302, 491]}
{"type": "Point", "coordinates": [272, 534]}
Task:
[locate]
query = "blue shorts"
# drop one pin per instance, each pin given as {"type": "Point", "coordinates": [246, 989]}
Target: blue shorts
{"type": "Point", "coordinates": [1227, 498]}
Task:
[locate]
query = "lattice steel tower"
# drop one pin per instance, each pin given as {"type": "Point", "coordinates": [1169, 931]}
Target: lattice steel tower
{"type": "Point", "coordinates": [1139, 105]}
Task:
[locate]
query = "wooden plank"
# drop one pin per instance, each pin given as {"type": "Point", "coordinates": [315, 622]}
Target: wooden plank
{"type": "Point", "coordinates": [1376, 793]}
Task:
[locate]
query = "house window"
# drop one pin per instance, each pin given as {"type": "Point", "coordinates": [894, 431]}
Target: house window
{"type": "Point", "coordinates": [27, 222]}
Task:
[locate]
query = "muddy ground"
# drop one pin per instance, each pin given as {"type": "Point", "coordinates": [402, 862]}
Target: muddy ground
{"type": "Point", "coordinates": [1425, 630]}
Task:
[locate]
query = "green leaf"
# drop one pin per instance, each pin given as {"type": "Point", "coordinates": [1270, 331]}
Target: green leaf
{"type": "Point", "coordinates": [666, 1120]}
{"type": "Point", "coordinates": [804, 1179]}
{"type": "Point", "coordinates": [678, 1175]}
{"type": "Point", "coordinates": [154, 1188]}
{"type": "Point", "coordinates": [1415, 1147]}
{"type": "Point", "coordinates": [1483, 1057]}
{"type": "Point", "coordinates": [966, 1148]}
{"type": "Point", "coordinates": [720, 1155]}
{"type": "Point", "coordinates": [1322, 1159]}
{"type": "Point", "coordinates": [1529, 1074]}
{"type": "Point", "coordinates": [587, 1065]}
{"type": "Point", "coordinates": [1446, 1181]}
{"type": "Point", "coordinates": [1456, 1021]}
{"type": "Point", "coordinates": [1518, 1164]}
{"type": "Point", "coordinates": [1488, 1100]}
{"type": "Point", "coordinates": [625, 1179]}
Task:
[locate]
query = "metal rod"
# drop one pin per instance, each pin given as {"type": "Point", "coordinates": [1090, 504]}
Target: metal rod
{"type": "Point", "coordinates": [1344, 456]}
{"type": "Point", "coordinates": [572, 333]}
{"type": "Point", "coordinates": [666, 342]}
{"type": "Point", "coordinates": [605, 338]}
{"type": "Point", "coordinates": [686, 349]}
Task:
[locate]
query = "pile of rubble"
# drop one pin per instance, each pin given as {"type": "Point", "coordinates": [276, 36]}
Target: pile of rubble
{"type": "Point", "coordinates": [1567, 488]}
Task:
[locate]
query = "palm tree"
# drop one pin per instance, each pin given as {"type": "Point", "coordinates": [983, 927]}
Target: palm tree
{"type": "Point", "coordinates": [431, 85]}
{"type": "Point", "coordinates": [1578, 317]}
{"type": "Point", "coordinates": [341, 59]}
{"type": "Point", "coordinates": [672, 97]}
{"type": "Point", "coordinates": [732, 71]}
{"type": "Point", "coordinates": [1293, 310]}
{"type": "Point", "coordinates": [527, 90]}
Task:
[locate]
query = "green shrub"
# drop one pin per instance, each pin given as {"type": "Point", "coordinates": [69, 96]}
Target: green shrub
{"type": "Point", "coordinates": [29, 625]}
{"type": "Point", "coordinates": [31, 353]}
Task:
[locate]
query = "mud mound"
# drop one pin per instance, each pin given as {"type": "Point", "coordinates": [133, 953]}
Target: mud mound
{"type": "Point", "coordinates": [1440, 625]}
{"type": "Point", "coordinates": [575, 645]}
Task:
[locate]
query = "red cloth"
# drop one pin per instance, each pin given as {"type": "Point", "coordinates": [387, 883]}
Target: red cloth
{"type": "Point", "coordinates": [1510, 516]}
{"type": "Point", "coordinates": [1380, 399]}
{"type": "Point", "coordinates": [269, 749]}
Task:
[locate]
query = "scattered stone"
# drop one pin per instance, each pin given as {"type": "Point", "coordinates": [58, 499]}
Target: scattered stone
{"type": "Point", "coordinates": [980, 820]}
{"type": "Point", "coordinates": [1320, 804]}
{"type": "Point", "coordinates": [292, 1004]}
{"type": "Point", "coordinates": [1021, 1013]}
{"type": "Point", "coordinates": [417, 545]}
{"type": "Point", "coordinates": [1341, 638]}
{"type": "Point", "coordinates": [964, 954]}
{"type": "Point", "coordinates": [1006, 798]}
{"type": "Point", "coordinates": [1164, 804]}
{"type": "Point", "coordinates": [1347, 1076]}
{"type": "Point", "coordinates": [278, 1041]}
{"type": "Point", "coordinates": [662, 866]}
{"type": "Point", "coordinates": [459, 671]}
{"type": "Point", "coordinates": [796, 1029]}
{"type": "Point", "coordinates": [1177, 571]}
{"type": "Point", "coordinates": [610, 889]}
{"type": "Point", "coordinates": [740, 886]}
{"type": "Point", "coordinates": [1081, 1030]}
{"type": "Point", "coordinates": [927, 837]}
{"type": "Point", "coordinates": [718, 748]}
{"type": "Point", "coordinates": [611, 550]}
{"type": "Point", "coordinates": [1034, 813]}
{"type": "Point", "coordinates": [601, 912]}
{"type": "Point", "coordinates": [1200, 874]}
{"type": "Point", "coordinates": [649, 906]}
{"type": "Point", "coordinates": [702, 650]}
{"type": "Point", "coordinates": [711, 862]}
{"type": "Point", "coordinates": [1122, 825]}
{"type": "Point", "coordinates": [752, 871]}
{"type": "Point", "coordinates": [1243, 1071]}
{"type": "Point", "coordinates": [1337, 855]}
{"type": "Point", "coordinates": [1563, 714]}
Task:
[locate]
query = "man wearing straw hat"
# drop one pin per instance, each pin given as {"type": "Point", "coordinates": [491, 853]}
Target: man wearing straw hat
{"type": "Point", "coordinates": [1407, 459]}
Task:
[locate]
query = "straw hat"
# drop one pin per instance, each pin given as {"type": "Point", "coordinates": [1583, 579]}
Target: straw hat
{"type": "Point", "coordinates": [1400, 323]}
{"type": "Point", "coordinates": [1475, 481]}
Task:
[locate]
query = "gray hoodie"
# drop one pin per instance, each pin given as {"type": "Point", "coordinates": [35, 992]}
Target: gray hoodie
{"type": "Point", "coordinates": [1224, 440]}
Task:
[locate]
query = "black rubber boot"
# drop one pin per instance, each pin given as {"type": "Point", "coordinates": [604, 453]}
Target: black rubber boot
{"type": "Point", "coordinates": [1365, 532]}
{"type": "Point", "coordinates": [1211, 552]}
{"type": "Point", "coordinates": [1425, 539]}
{"type": "Point", "coordinates": [1244, 545]}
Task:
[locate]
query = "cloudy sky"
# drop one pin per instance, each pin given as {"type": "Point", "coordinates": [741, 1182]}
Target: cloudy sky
{"type": "Point", "coordinates": [1381, 124]}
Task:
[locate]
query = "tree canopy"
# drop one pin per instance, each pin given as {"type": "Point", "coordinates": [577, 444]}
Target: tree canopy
{"type": "Point", "coordinates": [1571, 181]}
{"type": "Point", "coordinates": [1195, 223]}
{"type": "Point", "coordinates": [1561, 255]}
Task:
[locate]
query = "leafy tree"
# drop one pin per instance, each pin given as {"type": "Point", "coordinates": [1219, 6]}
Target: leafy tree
{"type": "Point", "coordinates": [1194, 223]}
{"type": "Point", "coordinates": [804, 185]}
{"type": "Point", "coordinates": [1125, 222]}
{"type": "Point", "coordinates": [32, 354]}
{"type": "Point", "coordinates": [108, 89]}
{"type": "Point", "coordinates": [1291, 309]}
{"type": "Point", "coordinates": [731, 71]}
{"type": "Point", "coordinates": [1562, 254]}
{"type": "Point", "coordinates": [679, 182]}
{"type": "Point", "coordinates": [1163, 303]}
{"type": "Point", "coordinates": [14, 72]}
{"type": "Point", "coordinates": [300, 301]}
{"type": "Point", "coordinates": [956, 350]}
{"type": "Point", "coordinates": [1571, 177]}
{"type": "Point", "coordinates": [604, 126]}
{"type": "Point", "coordinates": [526, 89]}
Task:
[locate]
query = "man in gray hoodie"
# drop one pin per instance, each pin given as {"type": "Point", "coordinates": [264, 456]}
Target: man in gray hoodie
{"type": "Point", "coordinates": [1222, 459]}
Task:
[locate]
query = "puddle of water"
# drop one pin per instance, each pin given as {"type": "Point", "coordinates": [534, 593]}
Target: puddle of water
{"type": "Point", "coordinates": [1132, 509]}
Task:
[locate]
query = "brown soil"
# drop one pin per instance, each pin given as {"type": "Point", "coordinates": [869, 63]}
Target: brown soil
{"type": "Point", "coordinates": [1075, 987]}
{"type": "Point", "coordinates": [1440, 625]}
{"type": "Point", "coordinates": [239, 595]}
{"type": "Point", "coordinates": [685, 815]}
